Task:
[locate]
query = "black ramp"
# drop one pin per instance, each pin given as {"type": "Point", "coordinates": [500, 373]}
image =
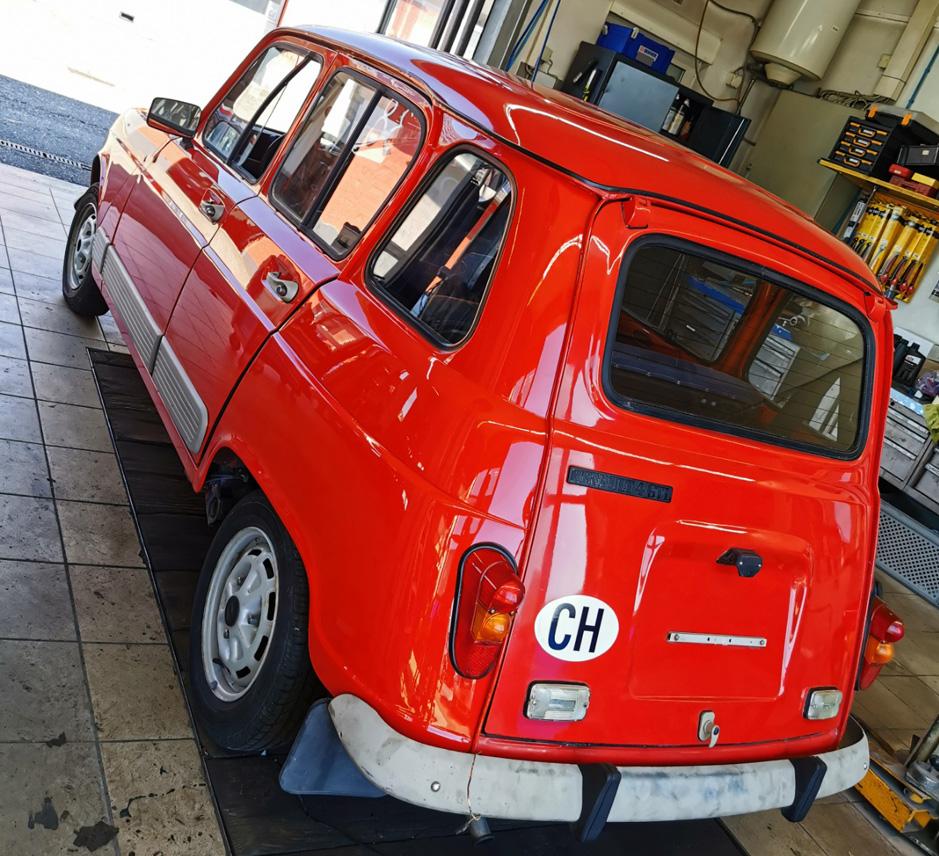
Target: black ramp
{"type": "Point", "coordinates": [258, 818]}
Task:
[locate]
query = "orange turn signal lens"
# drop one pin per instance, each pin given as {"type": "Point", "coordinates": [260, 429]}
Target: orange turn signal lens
{"type": "Point", "coordinates": [878, 653]}
{"type": "Point", "coordinates": [490, 628]}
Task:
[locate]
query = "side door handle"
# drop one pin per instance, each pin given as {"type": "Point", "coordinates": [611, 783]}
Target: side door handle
{"type": "Point", "coordinates": [212, 207]}
{"type": "Point", "coordinates": [747, 562]}
{"type": "Point", "coordinates": [283, 289]}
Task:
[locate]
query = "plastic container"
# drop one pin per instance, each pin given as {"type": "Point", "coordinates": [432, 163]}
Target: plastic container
{"type": "Point", "coordinates": [636, 46]}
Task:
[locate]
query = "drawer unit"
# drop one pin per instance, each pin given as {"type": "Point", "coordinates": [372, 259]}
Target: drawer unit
{"type": "Point", "coordinates": [927, 485]}
{"type": "Point", "coordinates": [897, 461]}
{"type": "Point", "coordinates": [862, 146]}
{"type": "Point", "coordinates": [905, 432]}
{"type": "Point", "coordinates": [910, 459]}
{"type": "Point", "coordinates": [870, 144]}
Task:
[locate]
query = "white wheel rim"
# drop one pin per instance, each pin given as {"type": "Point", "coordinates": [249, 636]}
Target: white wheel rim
{"type": "Point", "coordinates": [80, 249]}
{"type": "Point", "coordinates": [239, 615]}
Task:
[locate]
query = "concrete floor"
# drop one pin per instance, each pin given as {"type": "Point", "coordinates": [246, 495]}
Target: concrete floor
{"type": "Point", "coordinates": [96, 749]}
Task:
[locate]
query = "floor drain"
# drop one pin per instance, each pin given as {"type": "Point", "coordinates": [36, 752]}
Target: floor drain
{"type": "Point", "coordinates": [39, 153]}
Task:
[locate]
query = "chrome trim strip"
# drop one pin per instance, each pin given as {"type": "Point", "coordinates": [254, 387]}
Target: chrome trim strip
{"type": "Point", "coordinates": [185, 406]}
{"type": "Point", "coordinates": [719, 639]}
{"type": "Point", "coordinates": [125, 298]}
{"type": "Point", "coordinates": [99, 246]}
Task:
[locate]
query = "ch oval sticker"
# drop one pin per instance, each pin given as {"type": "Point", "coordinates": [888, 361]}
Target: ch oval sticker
{"type": "Point", "coordinates": [576, 628]}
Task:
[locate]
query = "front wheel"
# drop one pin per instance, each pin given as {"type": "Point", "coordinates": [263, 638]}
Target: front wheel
{"type": "Point", "coordinates": [249, 664]}
{"type": "Point", "coordinates": [79, 288]}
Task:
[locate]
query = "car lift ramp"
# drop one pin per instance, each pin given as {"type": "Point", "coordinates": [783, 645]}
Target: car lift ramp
{"type": "Point", "coordinates": [909, 552]}
{"type": "Point", "coordinates": [257, 817]}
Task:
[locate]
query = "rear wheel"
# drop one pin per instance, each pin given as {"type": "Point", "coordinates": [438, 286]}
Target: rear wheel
{"type": "Point", "coordinates": [79, 288]}
{"type": "Point", "coordinates": [249, 664]}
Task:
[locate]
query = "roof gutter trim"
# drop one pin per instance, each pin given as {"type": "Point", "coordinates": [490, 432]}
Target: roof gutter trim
{"type": "Point", "coordinates": [422, 86]}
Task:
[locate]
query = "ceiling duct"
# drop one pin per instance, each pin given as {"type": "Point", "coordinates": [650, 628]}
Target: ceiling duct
{"type": "Point", "coordinates": [908, 50]}
{"type": "Point", "coordinates": [799, 37]}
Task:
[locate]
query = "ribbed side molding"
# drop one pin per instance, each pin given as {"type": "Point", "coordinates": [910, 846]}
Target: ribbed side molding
{"type": "Point", "coordinates": [180, 397]}
{"type": "Point", "coordinates": [98, 248]}
{"type": "Point", "coordinates": [130, 306]}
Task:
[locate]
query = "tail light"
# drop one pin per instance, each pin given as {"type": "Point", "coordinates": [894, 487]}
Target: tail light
{"type": "Point", "coordinates": [884, 630]}
{"type": "Point", "coordinates": [487, 595]}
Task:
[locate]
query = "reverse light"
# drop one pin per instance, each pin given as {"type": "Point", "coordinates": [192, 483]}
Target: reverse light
{"type": "Point", "coordinates": [823, 704]}
{"type": "Point", "coordinates": [558, 702]}
{"type": "Point", "coordinates": [488, 594]}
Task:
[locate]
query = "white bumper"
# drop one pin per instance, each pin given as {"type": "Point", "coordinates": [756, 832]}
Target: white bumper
{"type": "Point", "coordinates": [468, 784]}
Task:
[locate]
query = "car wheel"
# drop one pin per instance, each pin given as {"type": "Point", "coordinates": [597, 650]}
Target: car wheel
{"type": "Point", "coordinates": [249, 665]}
{"type": "Point", "coordinates": [78, 285]}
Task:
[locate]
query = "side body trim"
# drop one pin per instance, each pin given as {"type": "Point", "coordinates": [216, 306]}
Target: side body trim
{"type": "Point", "coordinates": [125, 298]}
{"type": "Point", "coordinates": [183, 402]}
{"type": "Point", "coordinates": [99, 246]}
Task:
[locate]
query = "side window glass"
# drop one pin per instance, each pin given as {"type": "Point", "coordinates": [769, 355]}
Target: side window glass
{"type": "Point", "coordinates": [436, 265]}
{"type": "Point", "coordinates": [251, 120]}
{"type": "Point", "coordinates": [257, 147]}
{"type": "Point", "coordinates": [381, 154]}
{"type": "Point", "coordinates": [350, 154]}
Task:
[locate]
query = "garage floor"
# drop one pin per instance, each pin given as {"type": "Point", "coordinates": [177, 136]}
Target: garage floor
{"type": "Point", "coordinates": [96, 747]}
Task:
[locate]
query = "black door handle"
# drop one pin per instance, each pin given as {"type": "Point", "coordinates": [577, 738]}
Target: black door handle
{"type": "Point", "coordinates": [747, 562]}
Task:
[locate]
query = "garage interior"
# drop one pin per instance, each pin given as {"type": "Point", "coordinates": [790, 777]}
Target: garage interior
{"type": "Point", "coordinates": [833, 107]}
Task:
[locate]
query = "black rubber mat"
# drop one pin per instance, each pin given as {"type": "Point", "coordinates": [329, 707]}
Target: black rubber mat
{"type": "Point", "coordinates": [258, 818]}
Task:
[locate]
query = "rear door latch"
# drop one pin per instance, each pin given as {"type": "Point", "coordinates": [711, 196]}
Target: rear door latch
{"type": "Point", "coordinates": [747, 562]}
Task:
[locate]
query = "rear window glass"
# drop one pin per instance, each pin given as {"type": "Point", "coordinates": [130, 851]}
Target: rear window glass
{"type": "Point", "coordinates": [705, 340]}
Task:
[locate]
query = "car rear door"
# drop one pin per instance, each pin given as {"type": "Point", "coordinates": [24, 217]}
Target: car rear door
{"type": "Point", "coordinates": [353, 147]}
{"type": "Point", "coordinates": [704, 542]}
{"type": "Point", "coordinates": [183, 191]}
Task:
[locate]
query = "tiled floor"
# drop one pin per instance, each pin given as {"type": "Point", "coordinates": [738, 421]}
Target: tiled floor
{"type": "Point", "coordinates": [902, 702]}
{"type": "Point", "coordinates": [94, 735]}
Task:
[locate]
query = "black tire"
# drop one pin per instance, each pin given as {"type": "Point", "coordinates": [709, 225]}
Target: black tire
{"type": "Point", "coordinates": [270, 710]}
{"type": "Point", "coordinates": [80, 290]}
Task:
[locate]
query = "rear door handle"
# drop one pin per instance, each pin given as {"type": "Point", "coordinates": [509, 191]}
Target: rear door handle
{"type": "Point", "coordinates": [284, 289]}
{"type": "Point", "coordinates": [212, 209]}
{"type": "Point", "coordinates": [747, 562]}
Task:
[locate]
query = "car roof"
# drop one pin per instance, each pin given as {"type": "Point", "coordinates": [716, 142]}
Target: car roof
{"type": "Point", "coordinates": [592, 146]}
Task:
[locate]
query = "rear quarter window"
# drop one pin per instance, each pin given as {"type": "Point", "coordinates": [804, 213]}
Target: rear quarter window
{"type": "Point", "coordinates": [706, 339]}
{"type": "Point", "coordinates": [436, 264]}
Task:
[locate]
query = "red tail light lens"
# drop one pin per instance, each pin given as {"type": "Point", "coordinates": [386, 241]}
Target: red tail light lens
{"type": "Point", "coordinates": [487, 596]}
{"type": "Point", "coordinates": [886, 627]}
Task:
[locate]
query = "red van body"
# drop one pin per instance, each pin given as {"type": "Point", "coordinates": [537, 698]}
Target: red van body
{"type": "Point", "coordinates": [390, 457]}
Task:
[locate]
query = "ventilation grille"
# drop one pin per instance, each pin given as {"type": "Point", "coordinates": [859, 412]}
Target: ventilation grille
{"type": "Point", "coordinates": [180, 397]}
{"type": "Point", "coordinates": [909, 552]}
{"type": "Point", "coordinates": [140, 324]}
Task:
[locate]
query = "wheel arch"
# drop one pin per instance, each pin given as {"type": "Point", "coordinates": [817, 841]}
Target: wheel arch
{"type": "Point", "coordinates": [95, 171]}
{"type": "Point", "coordinates": [224, 481]}
{"type": "Point", "coordinates": [227, 454]}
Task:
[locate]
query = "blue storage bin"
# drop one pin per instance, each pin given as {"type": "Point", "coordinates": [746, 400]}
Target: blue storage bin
{"type": "Point", "coordinates": [614, 37]}
{"type": "Point", "coordinates": [637, 46]}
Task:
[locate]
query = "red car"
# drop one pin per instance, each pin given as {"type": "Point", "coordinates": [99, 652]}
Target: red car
{"type": "Point", "coordinates": [543, 452]}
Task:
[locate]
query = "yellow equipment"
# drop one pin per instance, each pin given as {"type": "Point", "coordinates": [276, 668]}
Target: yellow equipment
{"type": "Point", "coordinates": [906, 793]}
